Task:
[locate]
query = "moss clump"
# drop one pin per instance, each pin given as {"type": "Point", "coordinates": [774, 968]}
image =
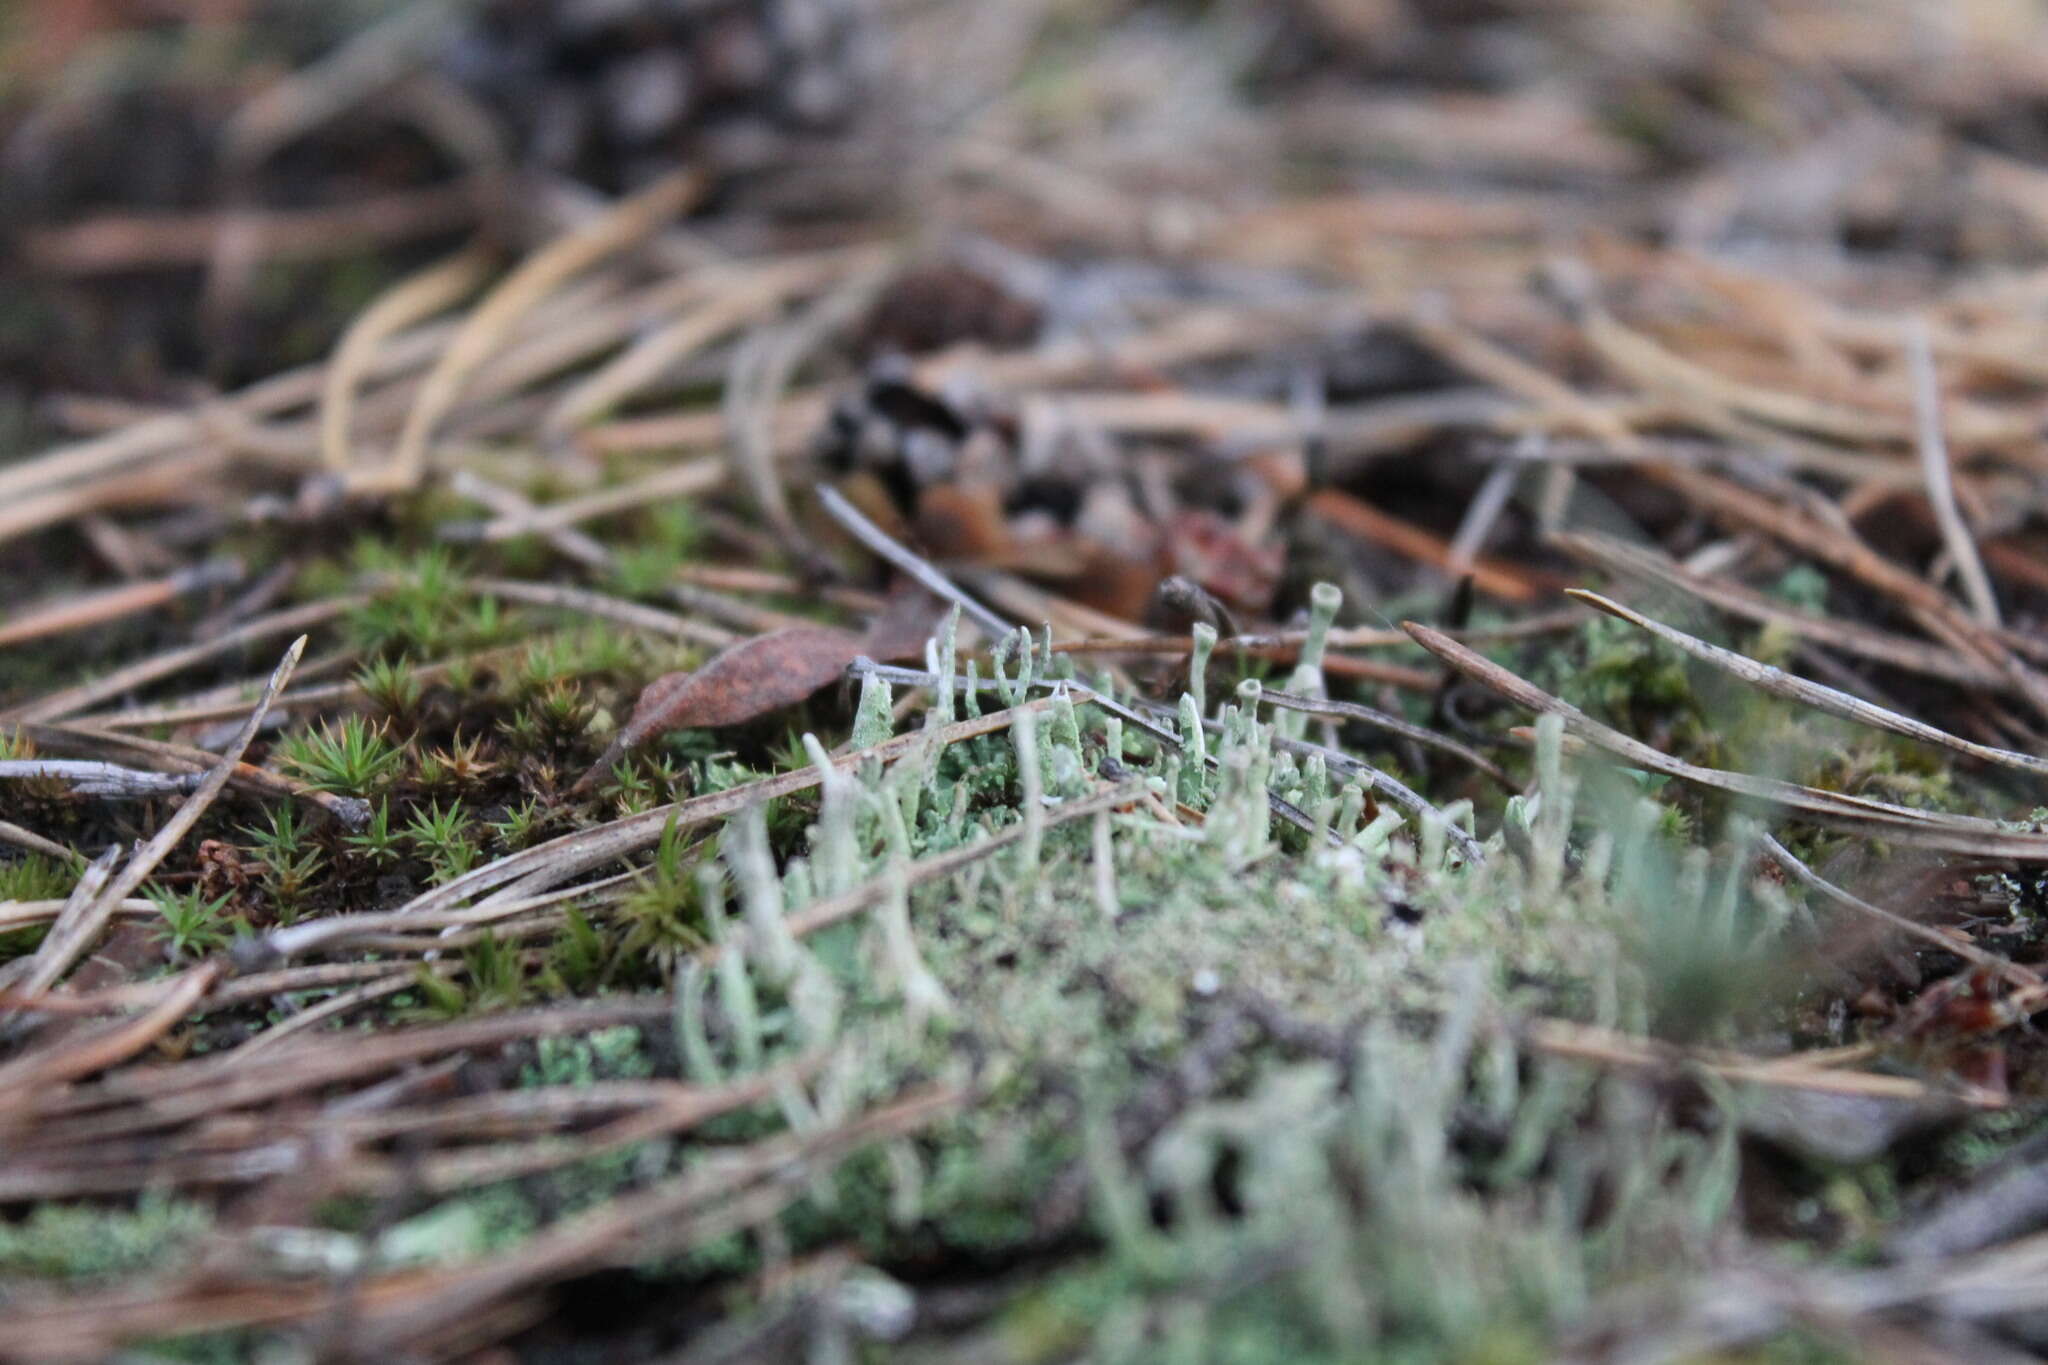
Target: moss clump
{"type": "Point", "coordinates": [89, 1241]}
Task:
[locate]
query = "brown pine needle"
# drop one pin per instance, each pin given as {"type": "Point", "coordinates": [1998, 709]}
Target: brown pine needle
{"type": "Point", "coordinates": [62, 949]}
{"type": "Point", "coordinates": [485, 330]}
{"type": "Point", "coordinates": [1776, 681]}
{"type": "Point", "coordinates": [410, 301]}
{"type": "Point", "coordinates": [1959, 834]}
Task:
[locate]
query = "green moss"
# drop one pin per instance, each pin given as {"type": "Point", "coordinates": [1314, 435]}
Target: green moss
{"type": "Point", "coordinates": [607, 1054]}
{"type": "Point", "coordinates": [34, 877]}
{"type": "Point", "coordinates": [90, 1241]}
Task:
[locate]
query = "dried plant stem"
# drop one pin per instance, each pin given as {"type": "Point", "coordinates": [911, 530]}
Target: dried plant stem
{"type": "Point", "coordinates": [60, 951]}
{"type": "Point", "coordinates": [1896, 651]}
{"type": "Point", "coordinates": [11, 833]}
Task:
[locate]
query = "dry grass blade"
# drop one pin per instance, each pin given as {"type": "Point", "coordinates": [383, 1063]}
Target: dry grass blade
{"type": "Point", "coordinates": [334, 1006]}
{"type": "Point", "coordinates": [682, 480]}
{"type": "Point", "coordinates": [106, 780]}
{"type": "Point", "coordinates": [326, 933]}
{"type": "Point", "coordinates": [140, 1101]}
{"type": "Point", "coordinates": [1650, 364]}
{"type": "Point", "coordinates": [747, 293]}
{"type": "Point", "coordinates": [1835, 546]}
{"type": "Point", "coordinates": [584, 602]}
{"type": "Point", "coordinates": [67, 930]}
{"type": "Point", "coordinates": [559, 859]}
{"type": "Point", "coordinates": [83, 737]}
{"type": "Point", "coordinates": [130, 242]}
{"type": "Point", "coordinates": [111, 604]}
{"type": "Point", "coordinates": [1959, 834]}
{"type": "Point", "coordinates": [397, 1306]}
{"type": "Point", "coordinates": [484, 331]}
{"type": "Point", "coordinates": [154, 440]}
{"type": "Point", "coordinates": [1508, 582]}
{"type": "Point", "coordinates": [25, 914]}
{"type": "Point", "coordinates": [1776, 681]}
{"type": "Point", "coordinates": [663, 1216]}
{"type": "Point", "coordinates": [1587, 1043]}
{"type": "Point", "coordinates": [503, 502]}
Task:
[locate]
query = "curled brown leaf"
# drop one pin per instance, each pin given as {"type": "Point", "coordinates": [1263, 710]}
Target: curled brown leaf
{"type": "Point", "coordinates": [760, 676]}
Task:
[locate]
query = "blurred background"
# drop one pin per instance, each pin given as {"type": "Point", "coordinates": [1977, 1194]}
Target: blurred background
{"type": "Point", "coordinates": [204, 191]}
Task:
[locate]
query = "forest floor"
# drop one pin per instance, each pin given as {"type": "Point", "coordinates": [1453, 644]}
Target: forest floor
{"type": "Point", "coordinates": [907, 680]}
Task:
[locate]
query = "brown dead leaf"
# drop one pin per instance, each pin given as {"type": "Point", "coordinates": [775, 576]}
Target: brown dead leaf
{"type": "Point", "coordinates": [762, 675]}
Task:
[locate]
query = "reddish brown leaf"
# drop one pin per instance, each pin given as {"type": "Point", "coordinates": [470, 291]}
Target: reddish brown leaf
{"type": "Point", "coordinates": [750, 679]}
{"type": "Point", "coordinates": [759, 676]}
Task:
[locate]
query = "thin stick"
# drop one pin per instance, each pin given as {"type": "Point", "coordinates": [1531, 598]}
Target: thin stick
{"type": "Point", "coordinates": [1480, 516]}
{"type": "Point", "coordinates": [564, 857]}
{"type": "Point", "coordinates": [351, 811]}
{"type": "Point", "coordinates": [58, 948]}
{"type": "Point", "coordinates": [1896, 651]}
{"type": "Point", "coordinates": [26, 914]}
{"type": "Point", "coordinates": [132, 241]}
{"type": "Point", "coordinates": [737, 295]}
{"type": "Point", "coordinates": [587, 603]}
{"type": "Point", "coordinates": [1585, 1042]}
{"type": "Point", "coordinates": [340, 1003]}
{"type": "Point", "coordinates": [504, 502]}
{"type": "Point", "coordinates": [1353, 516]}
{"type": "Point", "coordinates": [683, 480]}
{"type": "Point", "coordinates": [106, 780]}
{"type": "Point", "coordinates": [760, 375]}
{"type": "Point", "coordinates": [875, 538]}
{"type": "Point", "coordinates": [24, 1080]}
{"type": "Point", "coordinates": [1940, 477]}
{"type": "Point", "coordinates": [74, 699]}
